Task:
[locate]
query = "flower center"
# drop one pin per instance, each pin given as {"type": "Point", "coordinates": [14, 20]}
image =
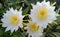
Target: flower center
{"type": "Point", "coordinates": [14, 19]}
{"type": "Point", "coordinates": [33, 27]}
{"type": "Point", "coordinates": [42, 14]}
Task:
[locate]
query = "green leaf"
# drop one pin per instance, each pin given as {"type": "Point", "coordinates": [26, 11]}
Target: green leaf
{"type": "Point", "coordinates": [57, 34]}
{"type": "Point", "coordinates": [13, 1]}
{"type": "Point", "coordinates": [25, 11]}
{"type": "Point", "coordinates": [1, 32]}
{"type": "Point", "coordinates": [15, 36]}
{"type": "Point", "coordinates": [0, 5]}
{"type": "Point", "coordinates": [58, 20]}
{"type": "Point", "coordinates": [58, 27]}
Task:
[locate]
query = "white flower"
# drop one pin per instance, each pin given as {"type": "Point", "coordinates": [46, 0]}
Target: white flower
{"type": "Point", "coordinates": [12, 20]}
{"type": "Point", "coordinates": [33, 30]}
{"type": "Point", "coordinates": [42, 13]}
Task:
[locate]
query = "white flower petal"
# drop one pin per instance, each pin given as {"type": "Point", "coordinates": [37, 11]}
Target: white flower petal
{"type": "Point", "coordinates": [7, 29]}
{"type": "Point", "coordinates": [37, 33]}
{"type": "Point", "coordinates": [12, 20]}
{"type": "Point", "coordinates": [42, 13]}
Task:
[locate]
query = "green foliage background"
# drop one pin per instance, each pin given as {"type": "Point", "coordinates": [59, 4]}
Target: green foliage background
{"type": "Point", "coordinates": [51, 31]}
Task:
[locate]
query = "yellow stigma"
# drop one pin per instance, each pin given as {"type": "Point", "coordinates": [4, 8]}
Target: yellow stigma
{"type": "Point", "coordinates": [42, 14]}
{"type": "Point", "coordinates": [14, 19]}
{"type": "Point", "coordinates": [33, 27]}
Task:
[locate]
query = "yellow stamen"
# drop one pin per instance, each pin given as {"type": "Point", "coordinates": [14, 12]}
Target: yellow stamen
{"type": "Point", "coordinates": [42, 14]}
{"type": "Point", "coordinates": [33, 27]}
{"type": "Point", "coordinates": [14, 19]}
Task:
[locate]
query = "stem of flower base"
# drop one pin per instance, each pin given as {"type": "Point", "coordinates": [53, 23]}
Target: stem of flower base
{"type": "Point", "coordinates": [10, 33]}
{"type": "Point", "coordinates": [54, 22]}
{"type": "Point", "coordinates": [53, 4]}
{"type": "Point", "coordinates": [22, 29]}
